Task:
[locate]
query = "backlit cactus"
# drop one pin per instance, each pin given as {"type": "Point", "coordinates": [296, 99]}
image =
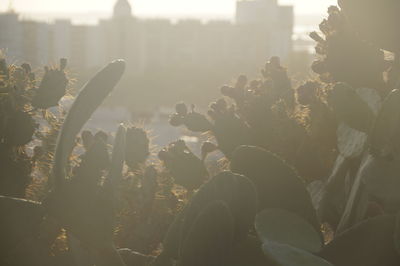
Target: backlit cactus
{"type": "Point", "coordinates": [52, 87]}
{"type": "Point", "coordinates": [210, 238]}
{"type": "Point", "coordinates": [234, 191]}
{"type": "Point", "coordinates": [77, 197]}
{"type": "Point", "coordinates": [274, 179]}
{"type": "Point", "coordinates": [313, 180]}
{"type": "Point", "coordinates": [18, 127]}
{"type": "Point", "coordinates": [85, 104]}
{"type": "Point", "coordinates": [375, 20]}
{"type": "Point", "coordinates": [185, 167]}
{"type": "Point", "coordinates": [137, 147]}
{"type": "Point", "coordinates": [264, 114]}
{"type": "Point", "coordinates": [344, 57]}
{"type": "Point", "coordinates": [365, 235]}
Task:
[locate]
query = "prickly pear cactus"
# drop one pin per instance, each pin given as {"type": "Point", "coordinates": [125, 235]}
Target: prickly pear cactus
{"type": "Point", "coordinates": [384, 138]}
{"type": "Point", "coordinates": [285, 255]}
{"type": "Point", "coordinates": [344, 57]}
{"type": "Point", "coordinates": [350, 108]}
{"type": "Point", "coordinates": [210, 238]}
{"type": "Point", "coordinates": [274, 180]}
{"type": "Point", "coordinates": [137, 147]}
{"type": "Point", "coordinates": [185, 167]}
{"type": "Point", "coordinates": [52, 87]}
{"type": "Point", "coordinates": [280, 226]}
{"type": "Point", "coordinates": [382, 30]}
{"type": "Point", "coordinates": [234, 190]}
{"type": "Point", "coordinates": [90, 97]}
{"type": "Point", "coordinates": [82, 196]}
{"type": "Point", "coordinates": [263, 112]}
{"type": "Point", "coordinates": [19, 121]}
{"type": "Point", "coordinates": [21, 218]}
{"type": "Point", "coordinates": [365, 237]}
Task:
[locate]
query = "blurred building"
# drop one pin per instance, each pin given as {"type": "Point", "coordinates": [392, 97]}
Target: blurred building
{"type": "Point", "coordinates": [262, 28]}
{"type": "Point", "coordinates": [11, 36]}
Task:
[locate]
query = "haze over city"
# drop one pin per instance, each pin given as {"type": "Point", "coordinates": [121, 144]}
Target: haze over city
{"type": "Point", "coordinates": [233, 36]}
{"type": "Point", "coordinates": [153, 8]}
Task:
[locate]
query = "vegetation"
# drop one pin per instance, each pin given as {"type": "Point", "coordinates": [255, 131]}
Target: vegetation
{"type": "Point", "coordinates": [310, 175]}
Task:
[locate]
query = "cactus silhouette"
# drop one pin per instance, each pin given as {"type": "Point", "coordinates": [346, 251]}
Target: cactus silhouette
{"type": "Point", "coordinates": [84, 208]}
{"type": "Point", "coordinates": [90, 97]}
{"type": "Point", "coordinates": [348, 106]}
{"type": "Point", "coordinates": [185, 167]}
{"type": "Point", "coordinates": [52, 87]}
{"type": "Point", "coordinates": [382, 29]}
{"type": "Point", "coordinates": [365, 236]}
{"type": "Point", "coordinates": [234, 190]}
{"type": "Point", "coordinates": [210, 238]}
{"type": "Point", "coordinates": [21, 218]}
{"type": "Point", "coordinates": [263, 113]}
{"type": "Point", "coordinates": [137, 147]}
{"type": "Point", "coordinates": [344, 57]}
{"type": "Point", "coordinates": [118, 155]}
{"type": "Point", "coordinates": [274, 181]}
{"type": "Point", "coordinates": [18, 125]}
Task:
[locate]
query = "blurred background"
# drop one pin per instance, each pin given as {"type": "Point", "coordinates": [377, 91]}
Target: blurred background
{"type": "Point", "coordinates": [176, 50]}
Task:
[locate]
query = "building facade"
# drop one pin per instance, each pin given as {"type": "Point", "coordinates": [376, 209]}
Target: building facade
{"type": "Point", "coordinates": [262, 29]}
{"type": "Point", "coordinates": [167, 62]}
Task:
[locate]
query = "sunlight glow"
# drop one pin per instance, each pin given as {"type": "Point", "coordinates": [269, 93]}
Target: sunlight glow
{"type": "Point", "coordinates": [165, 8]}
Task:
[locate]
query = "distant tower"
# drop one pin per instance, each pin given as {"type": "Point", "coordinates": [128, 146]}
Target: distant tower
{"type": "Point", "coordinates": [122, 23]}
{"type": "Point", "coordinates": [270, 19]}
{"type": "Point", "coordinates": [256, 12]}
{"type": "Point", "coordinates": [11, 7]}
{"type": "Point", "coordinates": [122, 10]}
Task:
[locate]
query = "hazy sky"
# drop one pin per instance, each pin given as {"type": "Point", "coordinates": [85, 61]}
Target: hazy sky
{"type": "Point", "coordinates": [162, 8]}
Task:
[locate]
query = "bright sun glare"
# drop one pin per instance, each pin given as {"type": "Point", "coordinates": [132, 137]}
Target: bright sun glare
{"type": "Point", "coordinates": [154, 7]}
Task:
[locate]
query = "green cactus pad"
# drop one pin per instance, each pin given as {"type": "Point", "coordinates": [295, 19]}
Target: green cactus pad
{"type": "Point", "coordinates": [357, 202]}
{"type": "Point", "coordinates": [369, 243]}
{"type": "Point", "coordinates": [384, 138]}
{"type": "Point", "coordinates": [382, 179]}
{"type": "Point", "coordinates": [397, 233]}
{"type": "Point", "coordinates": [372, 98]}
{"type": "Point", "coordinates": [274, 180]}
{"type": "Point", "coordinates": [210, 239]}
{"type": "Point", "coordinates": [20, 219]}
{"type": "Point", "coordinates": [351, 142]}
{"type": "Point", "coordinates": [234, 190]}
{"type": "Point", "coordinates": [118, 154]}
{"type": "Point", "coordinates": [280, 226]}
{"type": "Point", "coordinates": [285, 255]}
{"type": "Point", "coordinates": [377, 21]}
{"type": "Point", "coordinates": [88, 100]}
{"type": "Point", "coordinates": [137, 147]}
{"type": "Point", "coordinates": [350, 108]}
{"type": "Point", "coordinates": [329, 198]}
